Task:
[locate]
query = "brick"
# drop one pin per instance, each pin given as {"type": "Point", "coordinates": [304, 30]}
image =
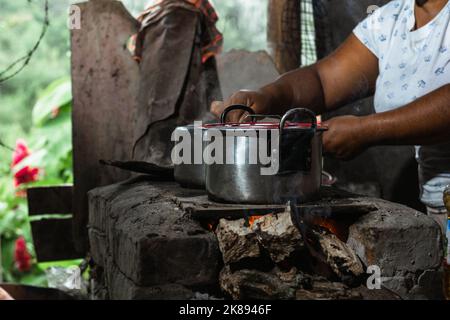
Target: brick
{"type": "Point", "coordinates": [151, 241]}
{"type": "Point", "coordinates": [397, 239]}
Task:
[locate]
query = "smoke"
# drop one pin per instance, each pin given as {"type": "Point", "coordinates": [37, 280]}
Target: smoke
{"type": "Point", "coordinates": [243, 23]}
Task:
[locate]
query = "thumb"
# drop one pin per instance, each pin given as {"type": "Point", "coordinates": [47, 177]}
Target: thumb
{"type": "Point", "coordinates": [217, 108]}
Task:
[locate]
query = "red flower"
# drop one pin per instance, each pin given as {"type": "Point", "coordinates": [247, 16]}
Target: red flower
{"type": "Point", "coordinates": [22, 257]}
{"type": "Point", "coordinates": [26, 174]}
{"type": "Point", "coordinates": [21, 152]}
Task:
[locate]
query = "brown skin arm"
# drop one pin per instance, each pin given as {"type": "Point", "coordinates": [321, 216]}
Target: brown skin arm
{"type": "Point", "coordinates": [347, 75]}
{"type": "Point", "coordinates": [422, 122]}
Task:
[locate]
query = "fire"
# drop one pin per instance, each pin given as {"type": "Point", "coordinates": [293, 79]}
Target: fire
{"type": "Point", "coordinates": [211, 226]}
{"type": "Point", "coordinates": [252, 219]}
{"type": "Point", "coordinates": [337, 228]}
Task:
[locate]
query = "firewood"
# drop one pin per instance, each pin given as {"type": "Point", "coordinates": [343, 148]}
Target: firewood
{"type": "Point", "coordinates": [278, 235]}
{"type": "Point", "coordinates": [326, 290]}
{"type": "Point", "coordinates": [254, 284]}
{"type": "Point", "coordinates": [274, 234]}
{"type": "Point", "coordinates": [236, 241]}
{"type": "Point", "coordinates": [326, 247]}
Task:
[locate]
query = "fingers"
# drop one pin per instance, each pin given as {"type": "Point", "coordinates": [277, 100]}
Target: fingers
{"type": "Point", "coordinates": [4, 295]}
{"type": "Point", "coordinates": [253, 99]}
{"type": "Point", "coordinates": [217, 108]}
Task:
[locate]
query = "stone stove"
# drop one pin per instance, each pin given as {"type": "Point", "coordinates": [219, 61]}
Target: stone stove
{"type": "Point", "coordinates": [152, 239]}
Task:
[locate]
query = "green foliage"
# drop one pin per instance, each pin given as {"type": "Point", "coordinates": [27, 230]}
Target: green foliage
{"type": "Point", "coordinates": [20, 25]}
{"type": "Point", "coordinates": [51, 152]}
{"type": "Point", "coordinates": [57, 94]}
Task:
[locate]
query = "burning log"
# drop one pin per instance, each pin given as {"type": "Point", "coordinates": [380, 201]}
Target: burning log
{"type": "Point", "coordinates": [327, 248]}
{"type": "Point", "coordinates": [273, 233]}
{"type": "Point", "coordinates": [236, 241]}
{"type": "Point", "coordinates": [278, 235]}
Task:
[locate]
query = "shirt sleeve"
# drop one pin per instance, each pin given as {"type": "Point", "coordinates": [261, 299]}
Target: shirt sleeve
{"type": "Point", "coordinates": [367, 31]}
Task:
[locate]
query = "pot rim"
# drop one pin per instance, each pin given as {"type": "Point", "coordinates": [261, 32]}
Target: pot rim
{"type": "Point", "coordinates": [263, 126]}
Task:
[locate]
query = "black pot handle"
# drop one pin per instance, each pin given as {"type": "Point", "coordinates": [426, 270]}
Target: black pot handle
{"type": "Point", "coordinates": [286, 165]}
{"type": "Point", "coordinates": [233, 107]}
{"type": "Point", "coordinates": [293, 112]}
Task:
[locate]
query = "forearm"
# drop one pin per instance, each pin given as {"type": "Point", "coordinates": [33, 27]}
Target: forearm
{"type": "Point", "coordinates": [299, 88]}
{"type": "Point", "coordinates": [424, 121]}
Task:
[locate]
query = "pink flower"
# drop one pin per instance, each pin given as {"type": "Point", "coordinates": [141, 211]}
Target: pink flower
{"type": "Point", "coordinates": [21, 152]}
{"type": "Point", "coordinates": [26, 174]}
{"type": "Point", "coordinates": [22, 257]}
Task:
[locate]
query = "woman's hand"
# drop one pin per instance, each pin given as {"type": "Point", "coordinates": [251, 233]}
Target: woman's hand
{"type": "Point", "coordinates": [346, 137]}
{"type": "Point", "coordinates": [259, 101]}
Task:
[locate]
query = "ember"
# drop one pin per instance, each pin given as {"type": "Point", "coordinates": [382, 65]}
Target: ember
{"type": "Point", "coordinates": [210, 225]}
{"type": "Point", "coordinates": [339, 229]}
{"type": "Point", "coordinates": [251, 220]}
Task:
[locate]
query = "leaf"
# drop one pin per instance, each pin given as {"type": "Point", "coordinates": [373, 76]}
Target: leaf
{"type": "Point", "coordinates": [33, 160]}
{"type": "Point", "coordinates": [55, 96]}
{"type": "Point", "coordinates": [35, 278]}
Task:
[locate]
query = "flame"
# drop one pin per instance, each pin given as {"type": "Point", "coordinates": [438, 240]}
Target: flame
{"type": "Point", "coordinates": [252, 219]}
{"type": "Point", "coordinates": [337, 228]}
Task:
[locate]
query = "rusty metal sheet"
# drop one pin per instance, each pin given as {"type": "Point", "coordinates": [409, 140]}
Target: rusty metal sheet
{"type": "Point", "coordinates": [105, 81]}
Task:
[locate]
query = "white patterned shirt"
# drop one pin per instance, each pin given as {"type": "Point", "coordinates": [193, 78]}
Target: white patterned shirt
{"type": "Point", "coordinates": [411, 64]}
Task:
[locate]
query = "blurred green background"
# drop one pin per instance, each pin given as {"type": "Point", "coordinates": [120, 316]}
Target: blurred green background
{"type": "Point", "coordinates": [35, 106]}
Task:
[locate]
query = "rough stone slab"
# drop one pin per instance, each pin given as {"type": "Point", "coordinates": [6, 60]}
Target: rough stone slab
{"type": "Point", "coordinates": [400, 284]}
{"type": "Point", "coordinates": [98, 247]}
{"type": "Point", "coordinates": [397, 239]}
{"type": "Point", "coordinates": [122, 288]}
{"type": "Point", "coordinates": [426, 287]}
{"type": "Point", "coordinates": [100, 201]}
{"type": "Point", "coordinates": [151, 240]}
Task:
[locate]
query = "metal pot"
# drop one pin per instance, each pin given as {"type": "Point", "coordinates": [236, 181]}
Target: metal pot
{"type": "Point", "coordinates": [192, 174]}
{"type": "Point", "coordinates": [299, 156]}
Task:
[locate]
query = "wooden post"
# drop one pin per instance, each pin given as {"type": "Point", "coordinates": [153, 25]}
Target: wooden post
{"type": "Point", "coordinates": [283, 34]}
{"type": "Point", "coordinates": [105, 80]}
